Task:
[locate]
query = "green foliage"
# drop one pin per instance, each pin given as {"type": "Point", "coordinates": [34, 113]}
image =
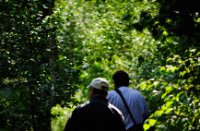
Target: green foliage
{"type": "Point", "coordinates": [33, 77]}
{"type": "Point", "coordinates": [141, 37]}
{"type": "Point", "coordinates": [50, 51]}
{"type": "Point", "coordinates": [60, 116]}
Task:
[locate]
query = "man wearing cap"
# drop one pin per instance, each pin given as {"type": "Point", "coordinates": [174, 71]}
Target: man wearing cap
{"type": "Point", "coordinates": [97, 114]}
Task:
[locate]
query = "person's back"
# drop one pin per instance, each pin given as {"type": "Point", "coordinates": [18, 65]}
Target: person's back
{"type": "Point", "coordinates": [96, 115]}
{"type": "Point", "coordinates": [133, 98]}
{"type": "Point", "coordinates": [135, 102]}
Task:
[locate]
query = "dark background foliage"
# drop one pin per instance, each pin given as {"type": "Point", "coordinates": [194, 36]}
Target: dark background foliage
{"type": "Point", "coordinates": [32, 79]}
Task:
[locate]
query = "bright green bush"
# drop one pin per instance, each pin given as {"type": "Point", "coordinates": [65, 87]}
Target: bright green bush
{"type": "Point", "coordinates": [141, 37]}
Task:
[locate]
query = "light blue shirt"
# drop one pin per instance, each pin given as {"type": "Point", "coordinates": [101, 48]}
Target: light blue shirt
{"type": "Point", "coordinates": [134, 100]}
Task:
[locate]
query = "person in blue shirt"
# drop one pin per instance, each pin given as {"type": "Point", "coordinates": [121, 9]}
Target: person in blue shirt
{"type": "Point", "coordinates": [133, 98]}
{"type": "Point", "coordinates": [97, 114]}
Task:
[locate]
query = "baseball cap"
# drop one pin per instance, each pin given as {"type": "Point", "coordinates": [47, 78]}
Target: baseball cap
{"type": "Point", "coordinates": [100, 83]}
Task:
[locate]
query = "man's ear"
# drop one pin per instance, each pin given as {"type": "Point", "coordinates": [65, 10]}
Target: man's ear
{"type": "Point", "coordinates": [91, 91]}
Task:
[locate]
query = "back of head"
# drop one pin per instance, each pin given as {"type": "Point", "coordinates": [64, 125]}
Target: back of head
{"type": "Point", "coordinates": [120, 78]}
{"type": "Point", "coordinates": [99, 86]}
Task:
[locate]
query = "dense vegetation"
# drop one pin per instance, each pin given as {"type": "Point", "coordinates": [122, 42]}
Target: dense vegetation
{"type": "Point", "coordinates": [50, 50]}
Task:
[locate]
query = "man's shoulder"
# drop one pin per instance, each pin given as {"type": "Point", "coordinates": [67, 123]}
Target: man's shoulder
{"type": "Point", "coordinates": [134, 91]}
{"type": "Point", "coordinates": [83, 105]}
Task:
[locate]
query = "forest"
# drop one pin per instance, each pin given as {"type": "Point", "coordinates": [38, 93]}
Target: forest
{"type": "Point", "coordinates": [50, 50]}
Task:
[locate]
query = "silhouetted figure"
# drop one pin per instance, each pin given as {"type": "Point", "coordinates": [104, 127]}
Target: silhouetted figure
{"type": "Point", "coordinates": [97, 114]}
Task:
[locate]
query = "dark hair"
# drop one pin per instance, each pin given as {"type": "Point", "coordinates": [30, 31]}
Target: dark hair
{"type": "Point", "coordinates": [120, 78]}
{"type": "Point", "coordinates": [100, 92]}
